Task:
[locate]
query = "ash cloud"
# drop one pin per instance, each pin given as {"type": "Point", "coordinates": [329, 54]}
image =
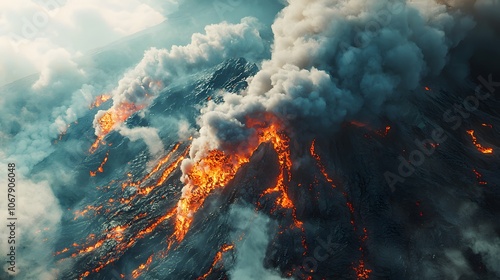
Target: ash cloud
{"type": "Point", "coordinates": [336, 61]}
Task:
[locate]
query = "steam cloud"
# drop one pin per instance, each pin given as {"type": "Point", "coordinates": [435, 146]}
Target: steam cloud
{"type": "Point", "coordinates": [334, 61]}
{"type": "Point", "coordinates": [160, 66]}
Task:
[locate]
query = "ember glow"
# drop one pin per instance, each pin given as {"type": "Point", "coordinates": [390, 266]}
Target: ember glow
{"type": "Point", "coordinates": [138, 271]}
{"type": "Point", "coordinates": [479, 177]}
{"type": "Point", "coordinates": [478, 145]}
{"type": "Point", "coordinates": [100, 169]}
{"type": "Point", "coordinates": [264, 140]}
{"type": "Point", "coordinates": [322, 168]}
{"type": "Point", "coordinates": [217, 259]}
{"type": "Point", "coordinates": [99, 100]}
{"type": "Point", "coordinates": [217, 168]}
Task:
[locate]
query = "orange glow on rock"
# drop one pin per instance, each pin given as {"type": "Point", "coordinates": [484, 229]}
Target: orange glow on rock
{"type": "Point", "coordinates": [217, 259]}
{"type": "Point", "coordinates": [319, 163]}
{"type": "Point", "coordinates": [138, 271]}
{"type": "Point", "coordinates": [99, 100]}
{"type": "Point", "coordinates": [478, 145]}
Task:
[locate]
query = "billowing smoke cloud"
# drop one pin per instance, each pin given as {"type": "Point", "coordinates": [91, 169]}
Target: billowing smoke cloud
{"type": "Point", "coordinates": [160, 66]}
{"type": "Point", "coordinates": [149, 135]}
{"type": "Point", "coordinates": [251, 249]}
{"type": "Point", "coordinates": [334, 61]}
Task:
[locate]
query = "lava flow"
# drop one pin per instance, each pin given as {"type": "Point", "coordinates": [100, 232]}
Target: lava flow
{"type": "Point", "coordinates": [217, 259]}
{"type": "Point", "coordinates": [100, 169]}
{"type": "Point", "coordinates": [138, 271]}
{"type": "Point", "coordinates": [478, 145]}
{"type": "Point", "coordinates": [217, 168]}
{"type": "Point", "coordinates": [479, 177]}
{"type": "Point", "coordinates": [319, 163]}
{"type": "Point", "coordinates": [99, 100]}
{"type": "Point", "coordinates": [110, 119]}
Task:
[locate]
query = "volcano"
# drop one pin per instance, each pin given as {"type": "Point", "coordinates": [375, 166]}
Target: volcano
{"type": "Point", "coordinates": [347, 140]}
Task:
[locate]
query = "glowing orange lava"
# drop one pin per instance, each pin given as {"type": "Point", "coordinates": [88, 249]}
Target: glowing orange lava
{"type": "Point", "coordinates": [319, 163]}
{"type": "Point", "coordinates": [213, 171]}
{"type": "Point", "coordinates": [100, 169]}
{"type": "Point", "coordinates": [138, 271]}
{"type": "Point", "coordinates": [479, 177]}
{"type": "Point", "coordinates": [362, 272]}
{"type": "Point", "coordinates": [217, 168]}
{"type": "Point", "coordinates": [217, 259]}
{"type": "Point", "coordinates": [111, 118]}
{"type": "Point", "coordinates": [478, 145]}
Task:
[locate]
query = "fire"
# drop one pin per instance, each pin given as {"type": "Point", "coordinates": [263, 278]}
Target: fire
{"type": "Point", "coordinates": [427, 88]}
{"type": "Point", "coordinates": [478, 145]}
{"type": "Point", "coordinates": [319, 163]}
{"type": "Point", "coordinates": [99, 100]}
{"type": "Point", "coordinates": [100, 169]}
{"type": "Point", "coordinates": [217, 259]}
{"type": "Point", "coordinates": [138, 271]}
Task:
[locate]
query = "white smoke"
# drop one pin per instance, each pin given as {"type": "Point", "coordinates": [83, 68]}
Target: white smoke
{"type": "Point", "coordinates": [334, 61]}
{"type": "Point", "coordinates": [251, 249]}
{"type": "Point", "coordinates": [160, 67]}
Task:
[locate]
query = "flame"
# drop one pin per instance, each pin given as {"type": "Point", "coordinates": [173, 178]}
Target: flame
{"type": "Point", "coordinates": [427, 88]}
{"type": "Point", "coordinates": [138, 271]}
{"type": "Point", "coordinates": [99, 100]}
{"type": "Point", "coordinates": [478, 145]}
{"type": "Point", "coordinates": [217, 259]}
{"type": "Point", "coordinates": [100, 169]}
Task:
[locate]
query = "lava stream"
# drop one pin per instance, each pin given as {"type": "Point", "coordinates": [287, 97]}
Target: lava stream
{"type": "Point", "coordinates": [478, 145]}
{"type": "Point", "coordinates": [217, 259]}
{"type": "Point", "coordinates": [100, 169]}
{"type": "Point", "coordinates": [138, 271]}
{"type": "Point", "coordinates": [319, 163]}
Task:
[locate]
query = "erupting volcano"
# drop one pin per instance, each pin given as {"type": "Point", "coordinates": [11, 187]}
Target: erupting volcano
{"type": "Point", "coordinates": [307, 139]}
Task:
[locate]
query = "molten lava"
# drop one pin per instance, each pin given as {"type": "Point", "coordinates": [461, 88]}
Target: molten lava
{"type": "Point", "coordinates": [478, 145]}
{"type": "Point", "coordinates": [213, 171]}
{"type": "Point", "coordinates": [217, 259]}
{"type": "Point", "coordinates": [99, 100]}
{"type": "Point", "coordinates": [110, 119]}
{"type": "Point", "coordinates": [217, 168]}
{"type": "Point", "coordinates": [138, 271]}
{"type": "Point", "coordinates": [319, 163]}
{"type": "Point", "coordinates": [479, 177]}
{"type": "Point", "coordinates": [100, 169]}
